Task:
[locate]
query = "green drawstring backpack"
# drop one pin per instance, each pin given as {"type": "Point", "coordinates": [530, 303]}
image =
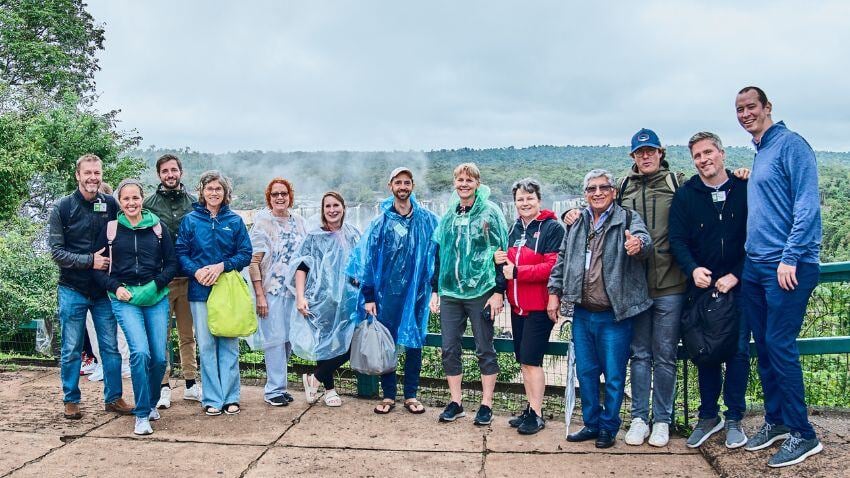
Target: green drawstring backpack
{"type": "Point", "coordinates": [230, 311]}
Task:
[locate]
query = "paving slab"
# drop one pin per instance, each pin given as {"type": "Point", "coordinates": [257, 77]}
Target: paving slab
{"type": "Point", "coordinates": [257, 424]}
{"type": "Point", "coordinates": [595, 464]}
{"type": "Point", "coordinates": [21, 447]}
{"type": "Point", "coordinates": [552, 439]}
{"type": "Point", "coordinates": [120, 458]}
{"type": "Point", "coordinates": [355, 425]}
{"type": "Point", "coordinates": [38, 405]}
{"type": "Point", "coordinates": [831, 462]}
{"type": "Point", "coordinates": [325, 462]}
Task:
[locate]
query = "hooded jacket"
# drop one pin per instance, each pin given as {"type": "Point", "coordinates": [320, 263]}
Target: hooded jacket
{"type": "Point", "coordinates": [203, 240]}
{"type": "Point", "coordinates": [74, 226]}
{"type": "Point", "coordinates": [651, 197]}
{"type": "Point", "coordinates": [170, 206]}
{"type": "Point", "coordinates": [705, 234]}
{"type": "Point", "coordinates": [533, 250]}
{"type": "Point", "coordinates": [138, 255]}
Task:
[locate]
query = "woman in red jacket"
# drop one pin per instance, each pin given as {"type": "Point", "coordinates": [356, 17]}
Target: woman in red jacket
{"type": "Point", "coordinates": [533, 245]}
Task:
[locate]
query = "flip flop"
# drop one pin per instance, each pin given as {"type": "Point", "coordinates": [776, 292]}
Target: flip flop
{"type": "Point", "coordinates": [212, 411]}
{"type": "Point", "coordinates": [388, 403]}
{"type": "Point", "coordinates": [228, 411]}
{"type": "Point", "coordinates": [412, 402]}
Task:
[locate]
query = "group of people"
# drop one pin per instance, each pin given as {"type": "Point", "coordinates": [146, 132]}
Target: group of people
{"type": "Point", "coordinates": [641, 252]}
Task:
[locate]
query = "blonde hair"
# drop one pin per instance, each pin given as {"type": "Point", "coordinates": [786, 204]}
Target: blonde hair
{"type": "Point", "coordinates": [470, 169]}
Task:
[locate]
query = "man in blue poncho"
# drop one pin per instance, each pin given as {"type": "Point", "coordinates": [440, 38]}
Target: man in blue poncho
{"type": "Point", "coordinates": [397, 262]}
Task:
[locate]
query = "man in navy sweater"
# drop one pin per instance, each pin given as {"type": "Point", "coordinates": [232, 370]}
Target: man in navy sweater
{"type": "Point", "coordinates": [780, 272]}
{"type": "Point", "coordinates": [708, 227]}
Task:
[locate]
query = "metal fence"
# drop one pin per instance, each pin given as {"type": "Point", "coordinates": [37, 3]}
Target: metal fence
{"type": "Point", "coordinates": [824, 345]}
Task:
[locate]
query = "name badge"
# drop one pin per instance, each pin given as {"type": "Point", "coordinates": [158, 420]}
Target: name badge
{"type": "Point", "coordinates": [100, 207]}
{"type": "Point", "coordinates": [587, 256]}
{"type": "Point", "coordinates": [718, 196]}
{"type": "Point", "coordinates": [462, 221]}
{"type": "Point", "coordinates": [400, 229]}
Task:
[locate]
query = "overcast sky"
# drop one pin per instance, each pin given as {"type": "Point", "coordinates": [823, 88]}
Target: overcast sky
{"type": "Point", "coordinates": [396, 75]}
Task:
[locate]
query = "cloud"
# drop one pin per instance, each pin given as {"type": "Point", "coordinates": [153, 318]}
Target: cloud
{"type": "Point", "coordinates": [368, 75]}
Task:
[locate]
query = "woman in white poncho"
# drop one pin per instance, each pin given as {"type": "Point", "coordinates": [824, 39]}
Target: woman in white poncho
{"type": "Point", "coordinates": [322, 326]}
{"type": "Point", "coordinates": [275, 237]}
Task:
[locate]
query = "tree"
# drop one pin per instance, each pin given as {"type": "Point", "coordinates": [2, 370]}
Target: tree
{"type": "Point", "coordinates": [50, 45]}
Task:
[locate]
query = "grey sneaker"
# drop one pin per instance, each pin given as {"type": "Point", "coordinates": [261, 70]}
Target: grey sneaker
{"type": "Point", "coordinates": [766, 436]}
{"type": "Point", "coordinates": [795, 450]}
{"type": "Point", "coordinates": [735, 436]}
{"type": "Point", "coordinates": [704, 429]}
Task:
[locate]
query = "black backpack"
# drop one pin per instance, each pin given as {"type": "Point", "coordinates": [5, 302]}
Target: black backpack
{"type": "Point", "coordinates": [710, 328]}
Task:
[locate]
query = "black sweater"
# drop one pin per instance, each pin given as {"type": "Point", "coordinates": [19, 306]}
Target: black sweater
{"type": "Point", "coordinates": [138, 257]}
{"type": "Point", "coordinates": [708, 234]}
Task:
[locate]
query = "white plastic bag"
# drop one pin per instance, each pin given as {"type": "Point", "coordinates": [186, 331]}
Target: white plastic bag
{"type": "Point", "coordinates": [373, 349]}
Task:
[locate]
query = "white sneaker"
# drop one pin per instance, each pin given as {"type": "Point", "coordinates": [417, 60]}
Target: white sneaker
{"type": "Point", "coordinates": [164, 398]}
{"type": "Point", "coordinates": [143, 426]}
{"type": "Point", "coordinates": [97, 375]}
{"type": "Point", "coordinates": [637, 433]}
{"type": "Point", "coordinates": [154, 415]}
{"type": "Point", "coordinates": [88, 365]}
{"type": "Point", "coordinates": [193, 393]}
{"type": "Point", "coordinates": [125, 370]}
{"type": "Point", "coordinates": [660, 434]}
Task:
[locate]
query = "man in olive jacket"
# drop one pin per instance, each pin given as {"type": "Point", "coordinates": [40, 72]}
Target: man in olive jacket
{"type": "Point", "coordinates": [170, 203]}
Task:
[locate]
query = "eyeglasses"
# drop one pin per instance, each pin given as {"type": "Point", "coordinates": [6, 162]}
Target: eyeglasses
{"type": "Point", "coordinates": [645, 151]}
{"type": "Point", "coordinates": [604, 189]}
{"type": "Point", "coordinates": [279, 194]}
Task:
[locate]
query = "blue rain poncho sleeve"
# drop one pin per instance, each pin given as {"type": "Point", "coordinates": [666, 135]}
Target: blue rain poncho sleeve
{"type": "Point", "coordinates": [331, 295]}
{"type": "Point", "coordinates": [467, 242]}
{"type": "Point", "coordinates": [395, 259]}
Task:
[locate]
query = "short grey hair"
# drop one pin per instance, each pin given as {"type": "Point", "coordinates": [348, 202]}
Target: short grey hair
{"type": "Point", "coordinates": [210, 176]}
{"type": "Point", "coordinates": [528, 185]}
{"type": "Point", "coordinates": [128, 182]}
{"type": "Point", "coordinates": [705, 135]}
{"type": "Point", "coordinates": [597, 173]}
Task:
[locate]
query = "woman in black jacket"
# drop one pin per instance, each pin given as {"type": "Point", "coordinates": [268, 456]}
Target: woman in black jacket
{"type": "Point", "coordinates": [143, 262]}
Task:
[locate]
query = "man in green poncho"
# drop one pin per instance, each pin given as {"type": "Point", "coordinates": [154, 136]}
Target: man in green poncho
{"type": "Point", "coordinates": [464, 284]}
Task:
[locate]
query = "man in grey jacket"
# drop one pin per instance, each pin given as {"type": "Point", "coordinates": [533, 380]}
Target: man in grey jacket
{"type": "Point", "coordinates": [601, 269]}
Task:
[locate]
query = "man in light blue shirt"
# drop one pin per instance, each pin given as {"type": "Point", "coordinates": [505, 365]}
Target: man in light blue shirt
{"type": "Point", "coordinates": [780, 272]}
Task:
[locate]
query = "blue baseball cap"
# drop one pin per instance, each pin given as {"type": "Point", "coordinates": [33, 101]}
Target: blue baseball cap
{"type": "Point", "coordinates": [645, 137]}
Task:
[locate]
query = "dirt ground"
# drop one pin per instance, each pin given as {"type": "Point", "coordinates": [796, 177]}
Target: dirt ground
{"type": "Point", "coordinates": [314, 440]}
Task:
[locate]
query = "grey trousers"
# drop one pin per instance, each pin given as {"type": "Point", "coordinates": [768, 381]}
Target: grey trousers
{"type": "Point", "coordinates": [453, 316]}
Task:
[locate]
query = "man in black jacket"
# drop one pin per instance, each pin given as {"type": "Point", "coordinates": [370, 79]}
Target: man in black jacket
{"type": "Point", "coordinates": [171, 203]}
{"type": "Point", "coordinates": [708, 228]}
{"type": "Point", "coordinates": [74, 224]}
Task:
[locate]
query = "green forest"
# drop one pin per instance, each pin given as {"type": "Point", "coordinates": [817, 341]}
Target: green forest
{"type": "Point", "coordinates": [361, 176]}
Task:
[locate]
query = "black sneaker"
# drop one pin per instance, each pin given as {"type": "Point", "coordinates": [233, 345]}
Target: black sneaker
{"type": "Point", "coordinates": [279, 401]}
{"type": "Point", "coordinates": [605, 439]}
{"type": "Point", "coordinates": [288, 397]}
{"type": "Point", "coordinates": [484, 416]}
{"type": "Point", "coordinates": [532, 424]}
{"type": "Point", "coordinates": [517, 420]}
{"type": "Point", "coordinates": [453, 411]}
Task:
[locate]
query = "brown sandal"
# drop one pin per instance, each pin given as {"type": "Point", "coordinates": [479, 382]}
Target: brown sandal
{"type": "Point", "coordinates": [386, 406]}
{"type": "Point", "coordinates": [410, 405]}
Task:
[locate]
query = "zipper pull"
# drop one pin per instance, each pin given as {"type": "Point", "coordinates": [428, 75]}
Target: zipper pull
{"type": "Point", "coordinates": [721, 216]}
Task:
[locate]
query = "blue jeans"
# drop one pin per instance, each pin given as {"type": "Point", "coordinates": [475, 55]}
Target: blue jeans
{"type": "Point", "coordinates": [72, 316]}
{"type": "Point", "coordinates": [146, 329]}
{"type": "Point", "coordinates": [737, 373]}
{"type": "Point", "coordinates": [654, 346]}
{"type": "Point", "coordinates": [412, 368]}
{"type": "Point", "coordinates": [274, 328]}
{"type": "Point", "coordinates": [219, 361]}
{"type": "Point", "coordinates": [776, 316]}
{"type": "Point", "coordinates": [602, 348]}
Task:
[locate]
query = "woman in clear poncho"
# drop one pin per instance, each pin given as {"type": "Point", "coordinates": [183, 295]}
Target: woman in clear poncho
{"type": "Point", "coordinates": [322, 325]}
{"type": "Point", "coordinates": [275, 237]}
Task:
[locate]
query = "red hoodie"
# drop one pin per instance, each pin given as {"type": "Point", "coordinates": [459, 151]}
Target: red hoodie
{"type": "Point", "coordinates": [533, 250]}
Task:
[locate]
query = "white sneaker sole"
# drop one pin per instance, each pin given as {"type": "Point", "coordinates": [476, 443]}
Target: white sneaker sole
{"type": "Point", "coordinates": [766, 444]}
{"type": "Point", "coordinates": [733, 446]}
{"type": "Point", "coordinates": [705, 437]}
{"type": "Point", "coordinates": [633, 442]}
{"type": "Point", "coordinates": [813, 451]}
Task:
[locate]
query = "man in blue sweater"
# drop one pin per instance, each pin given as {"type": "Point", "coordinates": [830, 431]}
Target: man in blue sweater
{"type": "Point", "coordinates": [780, 272]}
